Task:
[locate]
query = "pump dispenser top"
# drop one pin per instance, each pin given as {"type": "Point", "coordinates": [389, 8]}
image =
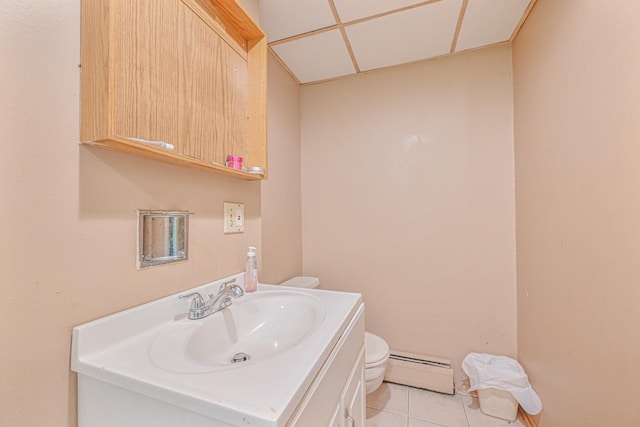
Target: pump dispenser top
{"type": "Point", "coordinates": [251, 271]}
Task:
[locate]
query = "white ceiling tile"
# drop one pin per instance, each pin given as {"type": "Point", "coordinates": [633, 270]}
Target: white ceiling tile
{"type": "Point", "coordinates": [489, 21]}
{"type": "Point", "coordinates": [350, 10]}
{"type": "Point", "coordinates": [318, 57]}
{"type": "Point", "coordinates": [286, 18]}
{"type": "Point", "coordinates": [415, 34]}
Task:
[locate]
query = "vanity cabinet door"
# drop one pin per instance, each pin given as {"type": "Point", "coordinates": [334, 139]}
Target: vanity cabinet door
{"type": "Point", "coordinates": [335, 418]}
{"type": "Point", "coordinates": [335, 391]}
{"type": "Point", "coordinates": [351, 409]}
{"type": "Point", "coordinates": [353, 397]}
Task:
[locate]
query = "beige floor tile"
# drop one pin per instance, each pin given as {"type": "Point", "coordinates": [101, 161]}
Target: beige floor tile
{"type": "Point", "coordinates": [436, 408]}
{"type": "Point", "coordinates": [390, 398]}
{"type": "Point", "coordinates": [377, 418]}
{"type": "Point", "coordinates": [419, 423]}
{"type": "Point", "coordinates": [477, 418]}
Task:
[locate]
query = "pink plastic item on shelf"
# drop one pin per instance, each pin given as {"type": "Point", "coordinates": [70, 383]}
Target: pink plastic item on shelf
{"type": "Point", "coordinates": [234, 162]}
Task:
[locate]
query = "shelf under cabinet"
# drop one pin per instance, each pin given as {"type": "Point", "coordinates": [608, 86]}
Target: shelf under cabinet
{"type": "Point", "coordinates": [125, 145]}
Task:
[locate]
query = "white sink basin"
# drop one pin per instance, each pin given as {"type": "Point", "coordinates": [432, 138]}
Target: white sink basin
{"type": "Point", "coordinates": [151, 352]}
{"type": "Point", "coordinates": [254, 328]}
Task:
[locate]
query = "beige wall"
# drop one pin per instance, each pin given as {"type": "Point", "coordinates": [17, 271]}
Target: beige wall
{"type": "Point", "coordinates": [68, 221]}
{"type": "Point", "coordinates": [408, 197]}
{"type": "Point", "coordinates": [577, 130]}
{"type": "Point", "coordinates": [281, 198]}
{"type": "Point", "coordinates": [281, 255]}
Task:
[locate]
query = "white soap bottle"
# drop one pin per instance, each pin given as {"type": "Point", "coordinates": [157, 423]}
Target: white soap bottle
{"type": "Point", "coordinates": [251, 271]}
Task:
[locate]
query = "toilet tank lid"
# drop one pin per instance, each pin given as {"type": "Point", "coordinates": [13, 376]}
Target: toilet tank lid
{"type": "Point", "coordinates": [302, 282]}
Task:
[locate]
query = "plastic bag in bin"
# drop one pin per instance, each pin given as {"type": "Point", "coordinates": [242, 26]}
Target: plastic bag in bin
{"type": "Point", "coordinates": [503, 373]}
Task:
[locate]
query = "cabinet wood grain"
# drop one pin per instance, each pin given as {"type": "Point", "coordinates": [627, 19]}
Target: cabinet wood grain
{"type": "Point", "coordinates": [190, 73]}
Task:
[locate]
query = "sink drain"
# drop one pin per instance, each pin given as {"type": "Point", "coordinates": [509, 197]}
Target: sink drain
{"type": "Point", "coordinates": [240, 357]}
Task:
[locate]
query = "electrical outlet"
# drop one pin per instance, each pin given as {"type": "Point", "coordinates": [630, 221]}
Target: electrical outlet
{"type": "Point", "coordinates": [233, 218]}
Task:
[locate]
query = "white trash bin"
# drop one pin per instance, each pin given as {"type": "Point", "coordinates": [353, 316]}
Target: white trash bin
{"type": "Point", "coordinates": [502, 384]}
{"type": "Point", "coordinates": [498, 403]}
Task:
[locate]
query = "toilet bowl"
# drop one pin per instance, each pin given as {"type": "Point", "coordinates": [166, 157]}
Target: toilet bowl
{"type": "Point", "coordinates": [376, 349]}
{"type": "Point", "coordinates": [376, 354]}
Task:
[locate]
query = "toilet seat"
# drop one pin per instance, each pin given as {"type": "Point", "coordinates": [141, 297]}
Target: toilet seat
{"type": "Point", "coordinates": [376, 350]}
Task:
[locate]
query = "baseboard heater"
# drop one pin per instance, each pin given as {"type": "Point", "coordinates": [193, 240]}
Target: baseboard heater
{"type": "Point", "coordinates": [417, 370]}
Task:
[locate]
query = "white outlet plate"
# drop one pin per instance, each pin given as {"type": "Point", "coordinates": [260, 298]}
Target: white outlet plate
{"type": "Point", "coordinates": [233, 218]}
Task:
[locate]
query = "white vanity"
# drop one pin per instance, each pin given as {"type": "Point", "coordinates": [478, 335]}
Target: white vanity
{"type": "Point", "coordinates": [277, 357]}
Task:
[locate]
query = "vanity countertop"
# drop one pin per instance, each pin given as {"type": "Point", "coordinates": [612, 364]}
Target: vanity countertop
{"type": "Point", "coordinates": [116, 350]}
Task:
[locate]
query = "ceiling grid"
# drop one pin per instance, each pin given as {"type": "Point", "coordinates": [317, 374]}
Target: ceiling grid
{"type": "Point", "coordinates": [319, 40]}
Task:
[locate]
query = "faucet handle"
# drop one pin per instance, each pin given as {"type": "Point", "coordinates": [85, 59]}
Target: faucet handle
{"type": "Point", "coordinates": [227, 284]}
{"type": "Point", "coordinates": [197, 298]}
{"type": "Point", "coordinates": [237, 290]}
{"type": "Point", "coordinates": [230, 285]}
{"type": "Point", "coordinates": [197, 303]}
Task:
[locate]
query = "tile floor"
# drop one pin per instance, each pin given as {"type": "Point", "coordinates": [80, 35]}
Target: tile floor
{"type": "Point", "coordinates": [394, 405]}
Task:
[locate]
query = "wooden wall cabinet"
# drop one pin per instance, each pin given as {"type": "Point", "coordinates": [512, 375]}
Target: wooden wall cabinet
{"type": "Point", "coordinates": [190, 73]}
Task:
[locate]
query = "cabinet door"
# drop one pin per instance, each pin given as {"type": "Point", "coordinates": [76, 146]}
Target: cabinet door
{"type": "Point", "coordinates": [212, 106]}
{"type": "Point", "coordinates": [145, 70]}
{"type": "Point", "coordinates": [332, 384]}
{"type": "Point", "coordinates": [353, 396]}
{"type": "Point", "coordinates": [334, 421]}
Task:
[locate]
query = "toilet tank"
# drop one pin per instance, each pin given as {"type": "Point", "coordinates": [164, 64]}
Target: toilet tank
{"type": "Point", "coordinates": [302, 282]}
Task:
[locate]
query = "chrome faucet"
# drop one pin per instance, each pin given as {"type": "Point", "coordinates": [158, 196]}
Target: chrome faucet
{"type": "Point", "coordinates": [199, 309]}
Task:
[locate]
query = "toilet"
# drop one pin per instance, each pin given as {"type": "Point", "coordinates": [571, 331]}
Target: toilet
{"type": "Point", "coordinates": [376, 354]}
{"type": "Point", "coordinates": [376, 350]}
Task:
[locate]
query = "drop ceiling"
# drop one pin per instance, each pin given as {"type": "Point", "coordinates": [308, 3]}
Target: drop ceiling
{"type": "Point", "coordinates": [318, 40]}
